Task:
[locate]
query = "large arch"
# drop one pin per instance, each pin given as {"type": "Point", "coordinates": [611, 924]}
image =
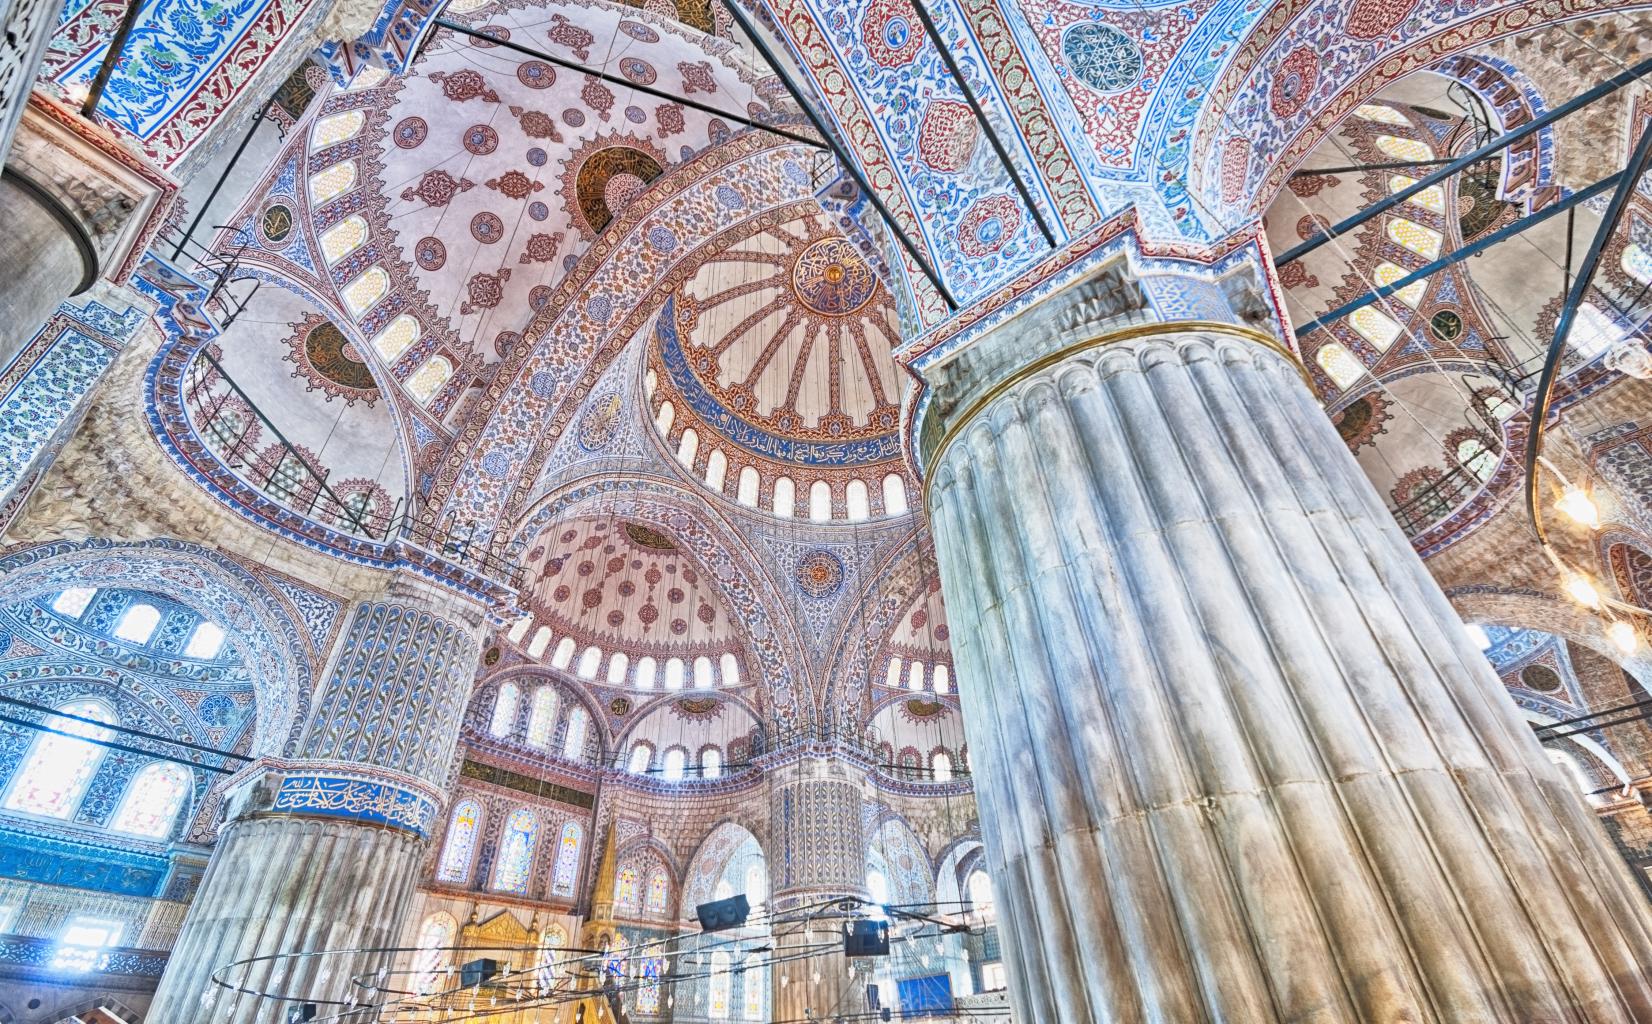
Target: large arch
{"type": "Point", "coordinates": [211, 583]}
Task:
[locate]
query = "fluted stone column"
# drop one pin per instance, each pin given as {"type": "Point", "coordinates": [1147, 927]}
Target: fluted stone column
{"type": "Point", "coordinates": [1235, 756]}
{"type": "Point", "coordinates": [322, 852]}
{"type": "Point", "coordinates": [819, 854]}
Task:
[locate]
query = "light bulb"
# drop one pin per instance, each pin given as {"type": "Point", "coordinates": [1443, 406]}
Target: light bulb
{"type": "Point", "coordinates": [1623, 634]}
{"type": "Point", "coordinates": [1582, 591]}
{"type": "Point", "coordinates": [1576, 505]}
{"type": "Point", "coordinates": [814, 979]}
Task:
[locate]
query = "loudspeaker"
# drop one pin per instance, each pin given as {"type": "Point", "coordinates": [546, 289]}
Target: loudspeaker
{"type": "Point", "coordinates": [301, 1013]}
{"type": "Point", "coordinates": [872, 998]}
{"type": "Point", "coordinates": [720, 914]}
{"type": "Point", "coordinates": [867, 938]}
{"type": "Point", "coordinates": [477, 971]}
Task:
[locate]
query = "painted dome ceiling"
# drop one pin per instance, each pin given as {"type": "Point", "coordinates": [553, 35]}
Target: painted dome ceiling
{"type": "Point", "coordinates": [775, 356]}
{"type": "Point", "coordinates": [628, 592]}
{"type": "Point", "coordinates": [918, 654]}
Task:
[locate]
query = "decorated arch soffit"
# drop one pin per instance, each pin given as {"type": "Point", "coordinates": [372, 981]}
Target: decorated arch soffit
{"type": "Point", "coordinates": [725, 852]}
{"type": "Point", "coordinates": [259, 625]}
{"type": "Point", "coordinates": [1186, 113]}
{"type": "Point", "coordinates": [725, 567]}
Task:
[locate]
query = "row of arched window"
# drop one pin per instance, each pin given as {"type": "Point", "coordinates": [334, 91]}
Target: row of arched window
{"type": "Point", "coordinates": [916, 675]}
{"type": "Point", "coordinates": [60, 765]}
{"type": "Point", "coordinates": [910, 764]}
{"type": "Point", "coordinates": [675, 763]}
{"type": "Point", "coordinates": [616, 669]}
{"type": "Point", "coordinates": [137, 624]}
{"type": "Point", "coordinates": [543, 720]}
{"type": "Point", "coordinates": [513, 867]}
{"type": "Point", "coordinates": [631, 897]}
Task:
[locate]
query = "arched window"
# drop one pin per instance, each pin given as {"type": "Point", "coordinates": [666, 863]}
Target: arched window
{"type": "Point", "coordinates": [720, 985]}
{"type": "Point", "coordinates": [567, 861]}
{"type": "Point", "coordinates": [820, 501]}
{"type": "Point", "coordinates": [461, 841]}
{"type": "Point", "coordinates": [516, 852]}
{"type": "Point", "coordinates": [435, 935]}
{"type": "Point", "coordinates": [1340, 364]}
{"type": "Point", "coordinates": [941, 765]}
{"type": "Point", "coordinates": [711, 763]}
{"type": "Point", "coordinates": [205, 642]}
{"type": "Point", "coordinates": [504, 710]}
{"type": "Point", "coordinates": [755, 979]}
{"type": "Point", "coordinates": [722, 890]}
{"type": "Point", "coordinates": [729, 667]}
{"type": "Point", "coordinates": [892, 678]}
{"type": "Point", "coordinates": [784, 502]}
{"type": "Point", "coordinates": [745, 492]}
{"type": "Point", "coordinates": [646, 668]}
{"type": "Point", "coordinates": [1404, 149]}
{"type": "Point", "coordinates": [152, 800]}
{"type": "Point", "coordinates": [665, 417]}
{"type": "Point", "coordinates": [658, 891]}
{"type": "Point", "coordinates": [542, 717]}
{"type": "Point", "coordinates": [1480, 460]}
{"type": "Point", "coordinates": [979, 888]}
{"type": "Point", "coordinates": [550, 951]}
{"type": "Point", "coordinates": [563, 656]}
{"type": "Point", "coordinates": [943, 679]}
{"type": "Point", "coordinates": [519, 629]}
{"type": "Point", "coordinates": [72, 603]}
{"type": "Point", "coordinates": [58, 768]}
{"type": "Point", "coordinates": [703, 677]}
{"type": "Point", "coordinates": [757, 883]}
{"type": "Point", "coordinates": [625, 889]}
{"type": "Point", "coordinates": [138, 623]}
{"type": "Point", "coordinates": [675, 762]}
{"type": "Point", "coordinates": [1381, 114]}
{"type": "Point", "coordinates": [674, 674]}
{"type": "Point", "coordinates": [541, 640]}
{"type": "Point", "coordinates": [1408, 234]}
{"type": "Point", "coordinates": [648, 994]}
{"type": "Point", "coordinates": [1593, 332]}
{"type": "Point", "coordinates": [1637, 262]}
{"type": "Point", "coordinates": [428, 380]}
{"type": "Point", "coordinates": [573, 744]}
{"type": "Point", "coordinates": [1387, 273]}
{"type": "Point", "coordinates": [716, 469]}
{"type": "Point", "coordinates": [589, 661]}
{"type": "Point", "coordinates": [642, 755]}
{"type": "Point", "coordinates": [1375, 326]}
{"type": "Point", "coordinates": [688, 446]}
{"type": "Point", "coordinates": [398, 337]}
{"type": "Point", "coordinates": [877, 886]}
{"type": "Point", "coordinates": [618, 663]}
{"type": "Point", "coordinates": [857, 502]}
{"type": "Point", "coordinates": [894, 495]}
{"type": "Point", "coordinates": [1431, 198]}
{"type": "Point", "coordinates": [915, 676]}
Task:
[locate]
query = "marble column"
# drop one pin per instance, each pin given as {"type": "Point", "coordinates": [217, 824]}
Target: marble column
{"type": "Point", "coordinates": [1236, 758]}
{"type": "Point", "coordinates": [321, 852]}
{"type": "Point", "coordinates": [818, 855]}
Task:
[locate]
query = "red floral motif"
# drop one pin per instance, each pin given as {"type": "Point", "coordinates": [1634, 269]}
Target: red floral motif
{"type": "Point", "coordinates": [598, 97]}
{"type": "Point", "coordinates": [542, 248]}
{"type": "Point", "coordinates": [947, 136]}
{"type": "Point", "coordinates": [536, 124]}
{"type": "Point", "coordinates": [485, 290]}
{"type": "Point", "coordinates": [988, 224]}
{"type": "Point", "coordinates": [697, 76]}
{"type": "Point", "coordinates": [889, 32]}
{"type": "Point", "coordinates": [566, 33]}
{"type": "Point", "coordinates": [515, 185]}
{"type": "Point", "coordinates": [670, 116]}
{"type": "Point", "coordinates": [1295, 275]}
{"type": "Point", "coordinates": [1308, 185]}
{"type": "Point", "coordinates": [1371, 19]}
{"type": "Point", "coordinates": [437, 188]}
{"type": "Point", "coordinates": [536, 74]}
{"type": "Point", "coordinates": [1306, 227]}
{"type": "Point", "coordinates": [1293, 82]}
{"type": "Point", "coordinates": [460, 86]}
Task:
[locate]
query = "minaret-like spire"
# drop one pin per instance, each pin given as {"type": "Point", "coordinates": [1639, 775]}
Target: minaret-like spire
{"type": "Point", "coordinates": [602, 896]}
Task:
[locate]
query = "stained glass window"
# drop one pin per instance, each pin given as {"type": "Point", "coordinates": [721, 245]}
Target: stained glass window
{"type": "Point", "coordinates": [757, 883]}
{"type": "Point", "coordinates": [516, 852]}
{"type": "Point", "coordinates": [461, 841]}
{"type": "Point", "coordinates": [542, 717]}
{"type": "Point", "coordinates": [1425, 242]}
{"type": "Point", "coordinates": [1340, 364]}
{"type": "Point", "coordinates": [625, 889]}
{"type": "Point", "coordinates": [1381, 114]}
{"type": "Point", "coordinates": [332, 182]}
{"type": "Point", "coordinates": [138, 623]}
{"type": "Point", "coordinates": [396, 338]}
{"type": "Point", "coordinates": [980, 891]}
{"type": "Point", "coordinates": [941, 764]}
{"type": "Point", "coordinates": [720, 985]}
{"type": "Point", "coordinates": [1480, 460]}
{"type": "Point", "coordinates": [428, 379]}
{"type": "Point", "coordinates": [648, 995]}
{"type": "Point", "coordinates": [573, 745]}
{"type": "Point", "coordinates": [83, 941]}
{"type": "Point", "coordinates": [658, 890]}
{"type": "Point", "coordinates": [343, 238]}
{"type": "Point", "coordinates": [365, 290]}
{"type": "Point", "coordinates": [152, 801]}
{"type": "Point", "coordinates": [1412, 294]}
{"type": "Point", "coordinates": [205, 642]}
{"type": "Point", "coordinates": [1375, 326]}
{"type": "Point", "coordinates": [58, 768]}
{"type": "Point", "coordinates": [74, 601]}
{"type": "Point", "coordinates": [1431, 198]}
{"type": "Point", "coordinates": [1637, 262]}
{"type": "Point", "coordinates": [1404, 149]}
{"type": "Point", "coordinates": [504, 710]}
{"type": "Point", "coordinates": [567, 861]}
{"type": "Point", "coordinates": [550, 949]}
{"type": "Point", "coordinates": [330, 131]}
{"type": "Point", "coordinates": [642, 755]}
{"type": "Point", "coordinates": [755, 981]}
{"type": "Point", "coordinates": [435, 935]}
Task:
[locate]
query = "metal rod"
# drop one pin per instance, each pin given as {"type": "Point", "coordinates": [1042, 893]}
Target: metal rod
{"type": "Point", "coordinates": [15, 702]}
{"type": "Point", "coordinates": [1496, 145]}
{"type": "Point", "coordinates": [1457, 256]}
{"type": "Point", "coordinates": [112, 745]}
{"type": "Point", "coordinates": [235, 158]}
{"type": "Point", "coordinates": [981, 118]}
{"type": "Point", "coordinates": [849, 165]}
{"type": "Point", "coordinates": [563, 62]}
{"type": "Point", "coordinates": [128, 21]}
{"type": "Point", "coordinates": [1392, 165]}
{"type": "Point", "coordinates": [1627, 181]}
